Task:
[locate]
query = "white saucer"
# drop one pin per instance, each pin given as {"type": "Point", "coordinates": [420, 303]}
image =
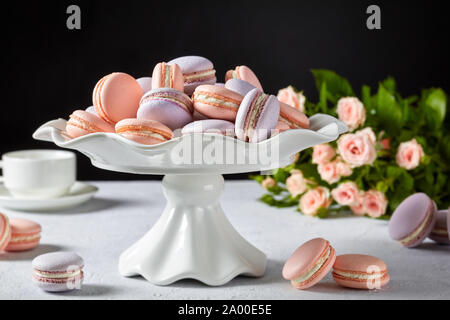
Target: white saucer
{"type": "Point", "coordinates": [78, 194]}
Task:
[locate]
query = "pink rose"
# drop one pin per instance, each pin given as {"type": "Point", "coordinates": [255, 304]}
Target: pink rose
{"type": "Point", "coordinates": [346, 194]}
{"type": "Point", "coordinates": [268, 183]}
{"type": "Point", "coordinates": [357, 149]}
{"type": "Point", "coordinates": [386, 143]}
{"type": "Point", "coordinates": [292, 98]}
{"type": "Point", "coordinates": [343, 168]}
{"type": "Point", "coordinates": [351, 111]}
{"type": "Point", "coordinates": [368, 132]}
{"type": "Point", "coordinates": [409, 154]}
{"type": "Point", "coordinates": [296, 183]}
{"type": "Point", "coordinates": [329, 172]}
{"type": "Point", "coordinates": [358, 208]}
{"type": "Point", "coordinates": [375, 203]}
{"type": "Point", "coordinates": [315, 199]}
{"type": "Point", "coordinates": [323, 153]}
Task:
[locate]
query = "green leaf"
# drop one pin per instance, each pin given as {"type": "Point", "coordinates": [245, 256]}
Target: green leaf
{"type": "Point", "coordinates": [285, 202]}
{"type": "Point", "coordinates": [280, 175]}
{"type": "Point", "coordinates": [390, 85]}
{"type": "Point", "coordinates": [389, 112]}
{"type": "Point", "coordinates": [366, 96]}
{"type": "Point", "coordinates": [435, 104]}
{"type": "Point", "coordinates": [323, 98]}
{"type": "Point", "coordinates": [257, 178]}
{"type": "Point", "coordinates": [337, 86]}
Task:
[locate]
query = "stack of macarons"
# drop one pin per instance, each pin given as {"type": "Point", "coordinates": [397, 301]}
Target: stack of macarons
{"type": "Point", "coordinates": [417, 218]}
{"type": "Point", "coordinates": [314, 259]}
{"type": "Point", "coordinates": [18, 234]}
{"type": "Point", "coordinates": [182, 94]}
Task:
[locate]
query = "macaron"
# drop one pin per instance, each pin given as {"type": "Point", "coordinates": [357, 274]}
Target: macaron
{"type": "Point", "coordinates": [167, 76]}
{"type": "Point", "coordinates": [281, 127]}
{"type": "Point", "coordinates": [145, 83]}
{"type": "Point", "coordinates": [413, 220]}
{"type": "Point", "coordinates": [244, 73]}
{"type": "Point", "coordinates": [117, 97]}
{"type": "Point", "coordinates": [168, 106]}
{"type": "Point", "coordinates": [5, 231]}
{"type": "Point", "coordinates": [217, 102]}
{"type": "Point", "coordinates": [25, 235]}
{"type": "Point", "coordinates": [294, 118]}
{"type": "Point", "coordinates": [223, 127]}
{"type": "Point", "coordinates": [360, 271]}
{"type": "Point", "coordinates": [58, 271]}
{"type": "Point", "coordinates": [197, 71]}
{"type": "Point", "coordinates": [82, 123]}
{"type": "Point", "coordinates": [240, 86]}
{"type": "Point", "coordinates": [309, 264]}
{"type": "Point", "coordinates": [147, 132]}
{"type": "Point", "coordinates": [91, 109]}
{"type": "Point", "coordinates": [257, 116]}
{"type": "Point", "coordinates": [440, 232]}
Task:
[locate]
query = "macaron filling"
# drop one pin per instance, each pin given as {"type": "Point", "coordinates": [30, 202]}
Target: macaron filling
{"type": "Point", "coordinates": [58, 275]}
{"type": "Point", "coordinates": [216, 100]}
{"type": "Point", "coordinates": [291, 124]}
{"type": "Point", "coordinates": [167, 96]}
{"type": "Point", "coordinates": [255, 111]}
{"type": "Point", "coordinates": [167, 75]}
{"type": "Point", "coordinates": [359, 275]}
{"type": "Point", "coordinates": [440, 232]}
{"type": "Point", "coordinates": [25, 238]}
{"type": "Point", "coordinates": [200, 76]}
{"type": "Point", "coordinates": [144, 132]}
{"type": "Point", "coordinates": [417, 233]}
{"type": "Point", "coordinates": [81, 124]}
{"type": "Point", "coordinates": [306, 276]}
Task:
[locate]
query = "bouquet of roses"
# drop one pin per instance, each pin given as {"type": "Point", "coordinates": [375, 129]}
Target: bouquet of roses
{"type": "Point", "coordinates": [396, 146]}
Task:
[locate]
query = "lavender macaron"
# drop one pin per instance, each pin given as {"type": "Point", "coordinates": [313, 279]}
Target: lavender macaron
{"type": "Point", "coordinates": [168, 106]}
{"type": "Point", "coordinates": [58, 271]}
{"type": "Point", "coordinates": [210, 126]}
{"type": "Point", "coordinates": [413, 220]}
{"type": "Point", "coordinates": [240, 86]}
{"type": "Point", "coordinates": [257, 116]}
{"type": "Point", "coordinates": [440, 232]}
{"type": "Point", "coordinates": [197, 71]}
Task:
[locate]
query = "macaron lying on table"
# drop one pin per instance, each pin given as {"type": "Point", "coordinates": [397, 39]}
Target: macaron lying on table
{"type": "Point", "coordinates": [310, 263]}
{"type": "Point", "coordinates": [360, 271]}
{"type": "Point", "coordinates": [25, 235]}
{"type": "Point", "coordinates": [5, 231]}
{"type": "Point", "coordinates": [440, 232]}
{"type": "Point", "coordinates": [197, 71]}
{"type": "Point", "coordinates": [58, 271]}
{"type": "Point", "coordinates": [413, 220]}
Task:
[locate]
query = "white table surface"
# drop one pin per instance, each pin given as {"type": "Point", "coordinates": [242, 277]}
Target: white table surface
{"type": "Point", "coordinates": [124, 211]}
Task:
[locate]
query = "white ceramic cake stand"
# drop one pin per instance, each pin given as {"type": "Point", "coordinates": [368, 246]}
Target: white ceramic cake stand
{"type": "Point", "coordinates": [193, 238]}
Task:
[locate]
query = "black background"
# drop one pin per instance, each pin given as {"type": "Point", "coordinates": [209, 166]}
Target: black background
{"type": "Point", "coordinates": [48, 71]}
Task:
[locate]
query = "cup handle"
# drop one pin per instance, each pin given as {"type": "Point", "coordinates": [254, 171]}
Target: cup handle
{"type": "Point", "coordinates": [1, 166]}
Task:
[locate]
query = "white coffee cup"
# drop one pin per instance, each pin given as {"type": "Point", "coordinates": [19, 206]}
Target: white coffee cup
{"type": "Point", "coordinates": [38, 174]}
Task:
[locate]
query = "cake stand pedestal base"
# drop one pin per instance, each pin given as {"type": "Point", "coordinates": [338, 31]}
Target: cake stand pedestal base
{"type": "Point", "coordinates": [193, 239]}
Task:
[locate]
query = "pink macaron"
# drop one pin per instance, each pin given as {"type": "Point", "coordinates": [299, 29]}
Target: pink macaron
{"type": "Point", "coordinates": [294, 118]}
{"type": "Point", "coordinates": [168, 76]}
{"type": "Point", "coordinates": [360, 271]}
{"type": "Point", "coordinates": [257, 116]}
{"type": "Point", "coordinates": [223, 127]}
{"type": "Point", "coordinates": [25, 235]}
{"type": "Point", "coordinates": [5, 231]}
{"type": "Point", "coordinates": [168, 106]}
{"type": "Point", "coordinates": [217, 102]}
{"type": "Point", "coordinates": [148, 132]}
{"type": "Point", "coordinates": [117, 97]}
{"type": "Point", "coordinates": [310, 263]}
{"type": "Point", "coordinates": [246, 74]}
{"type": "Point", "coordinates": [82, 123]}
